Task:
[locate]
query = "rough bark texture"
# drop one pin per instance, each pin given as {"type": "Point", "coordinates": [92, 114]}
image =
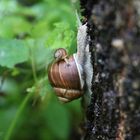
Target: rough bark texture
{"type": "Point", "coordinates": [114, 111]}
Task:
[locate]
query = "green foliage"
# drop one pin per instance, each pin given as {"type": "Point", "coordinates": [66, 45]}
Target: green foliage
{"type": "Point", "coordinates": [12, 52]}
{"type": "Point", "coordinates": [30, 32]}
{"type": "Point", "coordinates": [62, 32]}
{"type": "Point", "coordinates": [58, 120]}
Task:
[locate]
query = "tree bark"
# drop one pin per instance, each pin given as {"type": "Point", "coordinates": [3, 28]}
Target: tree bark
{"type": "Point", "coordinates": [114, 110]}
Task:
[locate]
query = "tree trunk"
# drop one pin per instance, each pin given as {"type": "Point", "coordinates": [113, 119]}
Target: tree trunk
{"type": "Point", "coordinates": [114, 110]}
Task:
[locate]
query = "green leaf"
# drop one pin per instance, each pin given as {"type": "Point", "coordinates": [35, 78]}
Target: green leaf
{"type": "Point", "coordinates": [45, 87]}
{"type": "Point", "coordinates": [12, 52]}
{"type": "Point", "coordinates": [5, 120]}
{"type": "Point", "coordinates": [58, 120]}
{"type": "Point", "coordinates": [11, 26]}
{"type": "Point", "coordinates": [41, 54]}
{"type": "Point", "coordinates": [62, 36]}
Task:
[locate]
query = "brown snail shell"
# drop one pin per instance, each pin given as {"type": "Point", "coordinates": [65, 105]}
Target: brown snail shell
{"type": "Point", "coordinates": [60, 54]}
{"type": "Point", "coordinates": [64, 76]}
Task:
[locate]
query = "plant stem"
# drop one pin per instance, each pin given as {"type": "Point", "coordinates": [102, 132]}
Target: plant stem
{"type": "Point", "coordinates": [19, 112]}
{"type": "Point", "coordinates": [33, 67]}
{"type": "Point", "coordinates": [24, 102]}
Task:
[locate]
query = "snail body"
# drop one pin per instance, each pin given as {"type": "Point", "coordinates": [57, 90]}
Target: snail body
{"type": "Point", "coordinates": [65, 76]}
{"type": "Point", "coordinates": [69, 74]}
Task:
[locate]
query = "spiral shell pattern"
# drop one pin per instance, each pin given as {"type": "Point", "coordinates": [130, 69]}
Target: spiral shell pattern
{"type": "Point", "coordinates": [65, 79]}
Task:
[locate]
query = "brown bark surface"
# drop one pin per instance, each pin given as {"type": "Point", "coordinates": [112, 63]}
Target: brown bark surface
{"type": "Point", "coordinates": [114, 110]}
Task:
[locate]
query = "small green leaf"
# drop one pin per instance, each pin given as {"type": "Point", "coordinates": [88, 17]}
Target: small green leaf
{"type": "Point", "coordinates": [12, 52]}
{"type": "Point", "coordinates": [62, 36]}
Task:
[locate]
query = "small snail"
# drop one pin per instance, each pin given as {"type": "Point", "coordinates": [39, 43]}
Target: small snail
{"type": "Point", "coordinates": [69, 74]}
{"type": "Point", "coordinates": [65, 76]}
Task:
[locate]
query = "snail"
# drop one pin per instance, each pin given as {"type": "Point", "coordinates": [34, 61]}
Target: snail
{"type": "Point", "coordinates": [65, 76]}
{"type": "Point", "coordinates": [69, 75]}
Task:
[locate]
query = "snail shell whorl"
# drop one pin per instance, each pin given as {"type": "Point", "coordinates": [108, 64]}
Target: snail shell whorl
{"type": "Point", "coordinates": [60, 54]}
{"type": "Point", "coordinates": [65, 79]}
{"type": "Point", "coordinates": [69, 94]}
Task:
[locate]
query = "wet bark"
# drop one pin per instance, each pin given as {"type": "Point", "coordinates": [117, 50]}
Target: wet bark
{"type": "Point", "coordinates": [114, 110]}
